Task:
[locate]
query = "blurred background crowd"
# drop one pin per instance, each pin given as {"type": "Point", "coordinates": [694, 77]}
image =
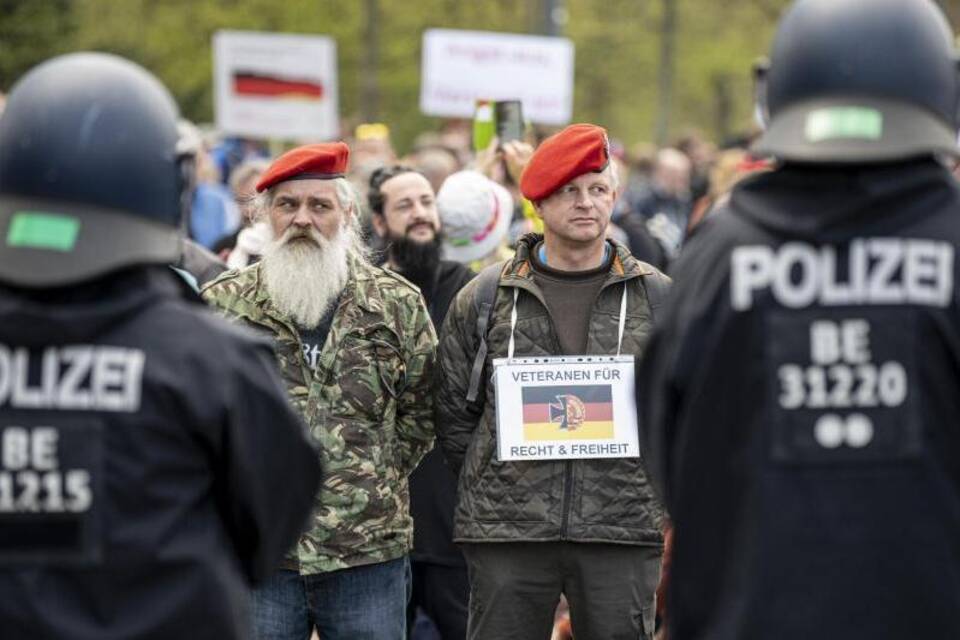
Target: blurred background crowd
{"type": "Point", "coordinates": [641, 70]}
{"type": "Point", "coordinates": [665, 191]}
{"type": "Point", "coordinates": [666, 78]}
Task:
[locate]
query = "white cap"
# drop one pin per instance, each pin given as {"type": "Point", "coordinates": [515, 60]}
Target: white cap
{"type": "Point", "coordinates": [475, 213]}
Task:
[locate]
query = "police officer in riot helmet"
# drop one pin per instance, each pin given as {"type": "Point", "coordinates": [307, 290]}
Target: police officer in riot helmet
{"type": "Point", "coordinates": [799, 403]}
{"type": "Point", "coordinates": [150, 466]}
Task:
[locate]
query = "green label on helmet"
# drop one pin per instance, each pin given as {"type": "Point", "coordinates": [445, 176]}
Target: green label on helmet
{"type": "Point", "coordinates": [43, 231]}
{"type": "Point", "coordinates": [833, 123]}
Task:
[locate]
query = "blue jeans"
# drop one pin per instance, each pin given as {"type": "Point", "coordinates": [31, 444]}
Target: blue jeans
{"type": "Point", "coordinates": [361, 603]}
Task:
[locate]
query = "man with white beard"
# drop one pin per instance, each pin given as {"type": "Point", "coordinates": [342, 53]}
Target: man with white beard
{"type": "Point", "coordinates": [357, 351]}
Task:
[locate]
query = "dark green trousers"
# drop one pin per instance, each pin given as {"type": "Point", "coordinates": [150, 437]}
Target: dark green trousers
{"type": "Point", "coordinates": [515, 588]}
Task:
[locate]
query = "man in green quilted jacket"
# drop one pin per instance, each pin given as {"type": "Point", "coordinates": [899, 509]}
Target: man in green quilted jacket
{"type": "Point", "coordinates": [357, 352]}
{"type": "Point", "coordinates": [531, 530]}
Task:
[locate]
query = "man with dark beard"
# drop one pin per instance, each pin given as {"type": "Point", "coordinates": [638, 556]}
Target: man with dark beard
{"type": "Point", "coordinates": [404, 208]}
{"type": "Point", "coordinates": [405, 216]}
{"type": "Point", "coordinates": [357, 352]}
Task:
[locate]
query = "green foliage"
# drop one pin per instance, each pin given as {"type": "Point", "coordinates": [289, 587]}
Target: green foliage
{"type": "Point", "coordinates": [30, 32]}
{"type": "Point", "coordinates": [617, 50]}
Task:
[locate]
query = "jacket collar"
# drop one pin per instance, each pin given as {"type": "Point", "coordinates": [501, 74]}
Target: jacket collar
{"type": "Point", "coordinates": [81, 312]}
{"type": "Point", "coordinates": [520, 269]}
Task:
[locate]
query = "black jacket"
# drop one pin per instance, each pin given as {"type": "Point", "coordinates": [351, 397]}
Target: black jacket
{"type": "Point", "coordinates": [643, 246]}
{"type": "Point", "coordinates": [800, 410]}
{"type": "Point", "coordinates": [172, 472]}
{"type": "Point", "coordinates": [433, 486]}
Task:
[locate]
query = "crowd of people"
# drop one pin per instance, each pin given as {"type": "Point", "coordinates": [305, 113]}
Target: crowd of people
{"type": "Point", "coordinates": [665, 192]}
{"type": "Point", "coordinates": [247, 394]}
{"type": "Point", "coordinates": [438, 217]}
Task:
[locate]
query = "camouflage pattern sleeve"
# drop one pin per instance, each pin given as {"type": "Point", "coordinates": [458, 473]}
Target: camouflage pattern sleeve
{"type": "Point", "coordinates": [217, 292]}
{"type": "Point", "coordinates": [225, 292]}
{"type": "Point", "coordinates": [456, 418]}
{"type": "Point", "coordinates": [414, 424]}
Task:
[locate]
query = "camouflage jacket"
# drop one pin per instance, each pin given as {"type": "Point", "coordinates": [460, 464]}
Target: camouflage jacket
{"type": "Point", "coordinates": [600, 500]}
{"type": "Point", "coordinates": [368, 405]}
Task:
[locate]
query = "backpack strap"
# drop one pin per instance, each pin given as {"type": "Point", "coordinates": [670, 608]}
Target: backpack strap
{"type": "Point", "coordinates": [657, 286]}
{"type": "Point", "coordinates": [483, 299]}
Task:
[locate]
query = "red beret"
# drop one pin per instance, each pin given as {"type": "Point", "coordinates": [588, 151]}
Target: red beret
{"type": "Point", "coordinates": [578, 149]}
{"type": "Point", "coordinates": [312, 161]}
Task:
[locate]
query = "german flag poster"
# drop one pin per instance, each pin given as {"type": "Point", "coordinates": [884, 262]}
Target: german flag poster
{"type": "Point", "coordinates": [275, 85]}
{"type": "Point", "coordinates": [566, 408]}
{"type": "Point", "coordinates": [251, 84]}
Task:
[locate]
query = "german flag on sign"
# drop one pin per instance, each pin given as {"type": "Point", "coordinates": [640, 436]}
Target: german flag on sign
{"type": "Point", "coordinates": [569, 412]}
{"type": "Point", "coordinates": [255, 85]}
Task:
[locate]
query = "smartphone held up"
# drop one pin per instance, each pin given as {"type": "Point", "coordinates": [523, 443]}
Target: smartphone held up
{"type": "Point", "coordinates": [500, 118]}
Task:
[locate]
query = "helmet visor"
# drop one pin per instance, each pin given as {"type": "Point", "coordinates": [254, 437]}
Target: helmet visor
{"type": "Point", "coordinates": [855, 130]}
{"type": "Point", "coordinates": [50, 244]}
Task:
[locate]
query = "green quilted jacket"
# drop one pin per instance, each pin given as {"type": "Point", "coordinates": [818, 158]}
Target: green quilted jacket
{"type": "Point", "coordinates": [599, 500]}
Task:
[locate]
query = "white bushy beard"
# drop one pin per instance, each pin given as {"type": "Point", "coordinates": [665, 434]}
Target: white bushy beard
{"type": "Point", "coordinates": [304, 272]}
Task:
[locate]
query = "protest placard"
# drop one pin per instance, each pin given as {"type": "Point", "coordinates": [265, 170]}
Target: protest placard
{"type": "Point", "coordinates": [460, 67]}
{"type": "Point", "coordinates": [273, 85]}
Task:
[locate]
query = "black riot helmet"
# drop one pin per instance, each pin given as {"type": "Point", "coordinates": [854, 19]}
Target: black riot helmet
{"type": "Point", "coordinates": [860, 81]}
{"type": "Point", "coordinates": [90, 176]}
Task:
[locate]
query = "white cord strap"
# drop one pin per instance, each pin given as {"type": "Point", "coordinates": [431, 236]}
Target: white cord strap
{"type": "Point", "coordinates": [513, 322]}
{"type": "Point", "coordinates": [623, 318]}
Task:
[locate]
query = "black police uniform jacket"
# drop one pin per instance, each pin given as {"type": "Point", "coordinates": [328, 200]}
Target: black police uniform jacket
{"type": "Point", "coordinates": [801, 413]}
{"type": "Point", "coordinates": [150, 466]}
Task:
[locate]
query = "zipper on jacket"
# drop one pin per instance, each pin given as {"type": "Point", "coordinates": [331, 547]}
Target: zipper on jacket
{"type": "Point", "coordinates": [565, 506]}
